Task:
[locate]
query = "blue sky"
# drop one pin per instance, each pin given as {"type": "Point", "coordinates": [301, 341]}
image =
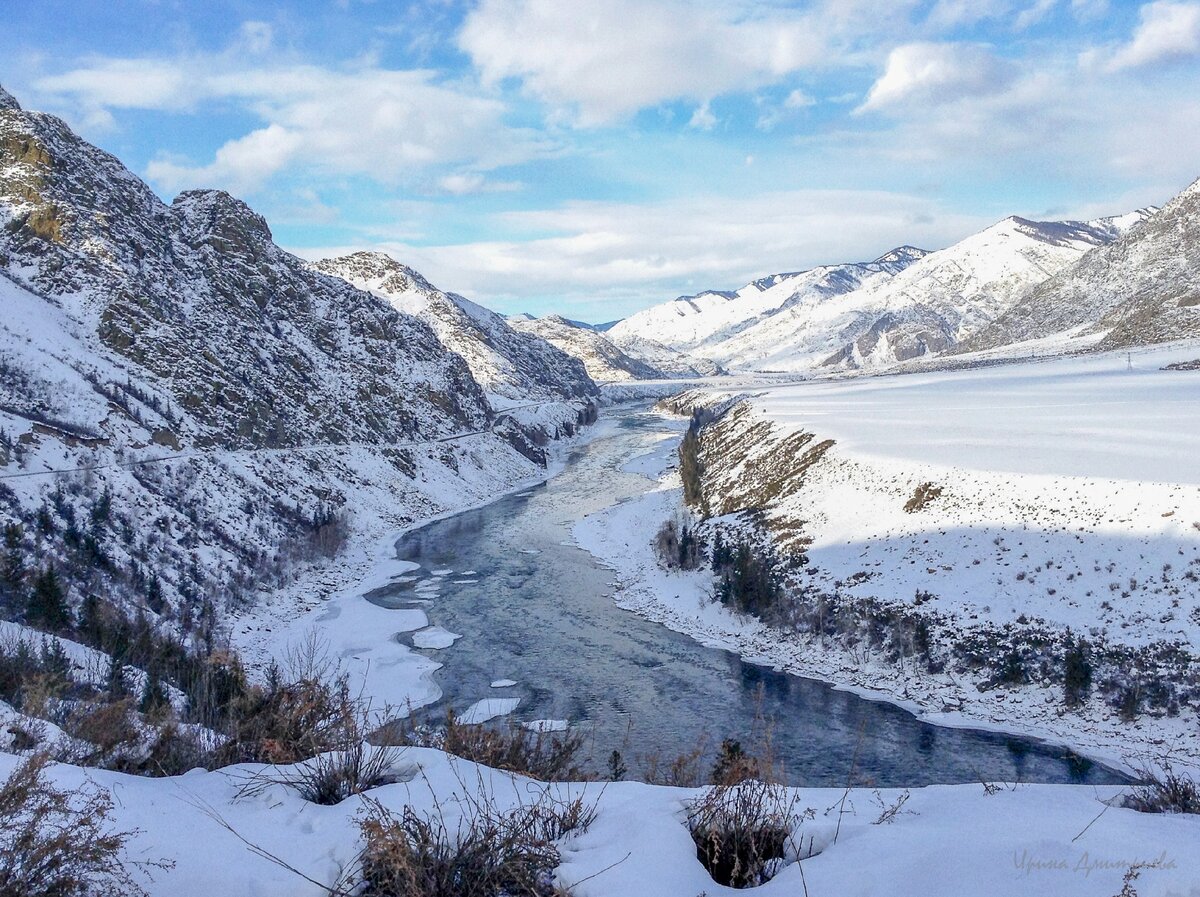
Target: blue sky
{"type": "Point", "coordinates": [595, 156]}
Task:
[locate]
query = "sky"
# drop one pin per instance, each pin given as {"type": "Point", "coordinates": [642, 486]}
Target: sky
{"type": "Point", "coordinates": [593, 157]}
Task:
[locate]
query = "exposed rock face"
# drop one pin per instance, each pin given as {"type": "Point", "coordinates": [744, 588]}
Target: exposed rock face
{"type": "Point", "coordinates": [234, 412]}
{"type": "Point", "coordinates": [1143, 288]}
{"type": "Point", "coordinates": [505, 361]}
{"type": "Point", "coordinates": [256, 347]}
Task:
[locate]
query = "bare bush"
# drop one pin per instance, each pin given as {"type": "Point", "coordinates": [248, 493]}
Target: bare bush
{"type": "Point", "coordinates": [745, 833]}
{"type": "Point", "coordinates": [489, 852]}
{"type": "Point", "coordinates": [540, 755]}
{"type": "Point", "coordinates": [331, 777]}
{"type": "Point", "coordinates": [1165, 791]}
{"type": "Point", "coordinates": [57, 845]}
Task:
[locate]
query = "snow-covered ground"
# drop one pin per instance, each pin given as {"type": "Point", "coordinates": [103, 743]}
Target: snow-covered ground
{"type": "Point", "coordinates": [960, 840]}
{"type": "Point", "coordinates": [1116, 416]}
{"type": "Point", "coordinates": [1070, 495]}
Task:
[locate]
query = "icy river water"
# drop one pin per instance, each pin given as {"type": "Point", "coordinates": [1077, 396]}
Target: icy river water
{"type": "Point", "coordinates": [533, 609]}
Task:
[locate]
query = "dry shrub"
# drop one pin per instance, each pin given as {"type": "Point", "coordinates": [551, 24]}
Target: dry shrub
{"type": "Point", "coordinates": [685, 770]}
{"type": "Point", "coordinates": [333, 776]}
{"type": "Point", "coordinates": [924, 494]}
{"type": "Point", "coordinates": [111, 733]}
{"type": "Point", "coordinates": [1167, 791]}
{"type": "Point", "coordinates": [489, 852]}
{"type": "Point", "coordinates": [292, 721]}
{"type": "Point", "coordinates": [57, 845]}
{"type": "Point", "coordinates": [548, 756]}
{"type": "Point", "coordinates": [745, 832]}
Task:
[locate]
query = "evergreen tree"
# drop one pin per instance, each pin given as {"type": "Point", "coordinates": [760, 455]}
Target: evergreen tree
{"type": "Point", "coordinates": [1077, 674]}
{"type": "Point", "coordinates": [48, 602]}
{"type": "Point", "coordinates": [154, 695]}
{"type": "Point", "coordinates": [116, 679]}
{"type": "Point", "coordinates": [12, 567]}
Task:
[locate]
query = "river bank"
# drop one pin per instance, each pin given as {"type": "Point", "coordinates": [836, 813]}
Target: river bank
{"type": "Point", "coordinates": [621, 538]}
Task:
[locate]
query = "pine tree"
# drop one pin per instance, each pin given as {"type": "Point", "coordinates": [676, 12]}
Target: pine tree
{"type": "Point", "coordinates": [154, 695]}
{"type": "Point", "coordinates": [116, 679]}
{"type": "Point", "coordinates": [12, 567]}
{"type": "Point", "coordinates": [48, 602]}
{"type": "Point", "coordinates": [1077, 674]}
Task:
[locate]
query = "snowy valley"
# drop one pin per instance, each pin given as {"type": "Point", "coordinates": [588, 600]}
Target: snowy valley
{"type": "Point", "coordinates": [316, 577]}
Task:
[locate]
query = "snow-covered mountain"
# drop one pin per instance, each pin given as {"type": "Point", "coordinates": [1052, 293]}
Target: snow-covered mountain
{"type": "Point", "coordinates": [215, 408]}
{"type": "Point", "coordinates": [702, 322]}
{"type": "Point", "coordinates": [512, 364]}
{"type": "Point", "coordinates": [614, 358]}
{"type": "Point", "coordinates": [669, 362]}
{"type": "Point", "coordinates": [1143, 288]}
{"type": "Point", "coordinates": [906, 305]}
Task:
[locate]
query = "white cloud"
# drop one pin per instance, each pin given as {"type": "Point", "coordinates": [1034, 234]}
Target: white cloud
{"type": "Point", "coordinates": [936, 73]}
{"type": "Point", "coordinates": [472, 182]}
{"type": "Point", "coordinates": [125, 84]}
{"type": "Point", "coordinates": [1031, 15]}
{"type": "Point", "coordinates": [389, 125]}
{"type": "Point", "coordinates": [605, 59]}
{"type": "Point", "coordinates": [702, 119]}
{"type": "Point", "coordinates": [1167, 31]}
{"type": "Point", "coordinates": [798, 99]}
{"type": "Point", "coordinates": [610, 258]}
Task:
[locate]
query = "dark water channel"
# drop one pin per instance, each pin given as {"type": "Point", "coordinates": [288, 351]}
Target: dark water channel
{"type": "Point", "coordinates": [532, 608]}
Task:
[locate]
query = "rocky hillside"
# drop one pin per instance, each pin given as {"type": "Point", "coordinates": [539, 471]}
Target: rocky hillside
{"type": "Point", "coordinates": [669, 362]}
{"type": "Point", "coordinates": [508, 363]}
{"type": "Point", "coordinates": [1143, 288]}
{"type": "Point", "coordinates": [190, 416]}
{"type": "Point", "coordinates": [606, 359]}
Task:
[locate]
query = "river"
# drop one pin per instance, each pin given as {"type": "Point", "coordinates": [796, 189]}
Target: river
{"type": "Point", "coordinates": [534, 609]}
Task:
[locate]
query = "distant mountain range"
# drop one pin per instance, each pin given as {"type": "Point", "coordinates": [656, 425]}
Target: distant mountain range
{"type": "Point", "coordinates": [1111, 281]}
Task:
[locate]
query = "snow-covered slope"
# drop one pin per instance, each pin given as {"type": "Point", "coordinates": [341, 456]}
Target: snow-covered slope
{"type": "Point", "coordinates": [222, 402]}
{"type": "Point", "coordinates": [1031, 839]}
{"type": "Point", "coordinates": [908, 304]}
{"type": "Point", "coordinates": [704, 321]}
{"type": "Point", "coordinates": [506, 362]}
{"type": "Point", "coordinates": [669, 362]}
{"type": "Point", "coordinates": [1144, 288]}
{"type": "Point", "coordinates": [604, 359]}
{"type": "Point", "coordinates": [927, 308]}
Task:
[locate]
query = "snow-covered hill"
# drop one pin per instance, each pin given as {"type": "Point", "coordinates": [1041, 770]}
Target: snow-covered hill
{"type": "Point", "coordinates": [908, 304]}
{"type": "Point", "coordinates": [508, 363]}
{"type": "Point", "coordinates": [1142, 289]}
{"type": "Point", "coordinates": [610, 358]}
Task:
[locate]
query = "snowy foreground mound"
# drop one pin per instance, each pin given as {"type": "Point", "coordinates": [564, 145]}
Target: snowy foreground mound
{"type": "Point", "coordinates": [955, 840]}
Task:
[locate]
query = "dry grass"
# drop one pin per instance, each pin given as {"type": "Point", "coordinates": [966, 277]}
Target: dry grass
{"type": "Point", "coordinates": [1168, 791]}
{"type": "Point", "coordinates": [546, 756]}
{"type": "Point", "coordinates": [488, 852]}
{"type": "Point", "coordinates": [333, 776]}
{"type": "Point", "coordinates": [57, 845]}
{"type": "Point", "coordinates": [745, 833]}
